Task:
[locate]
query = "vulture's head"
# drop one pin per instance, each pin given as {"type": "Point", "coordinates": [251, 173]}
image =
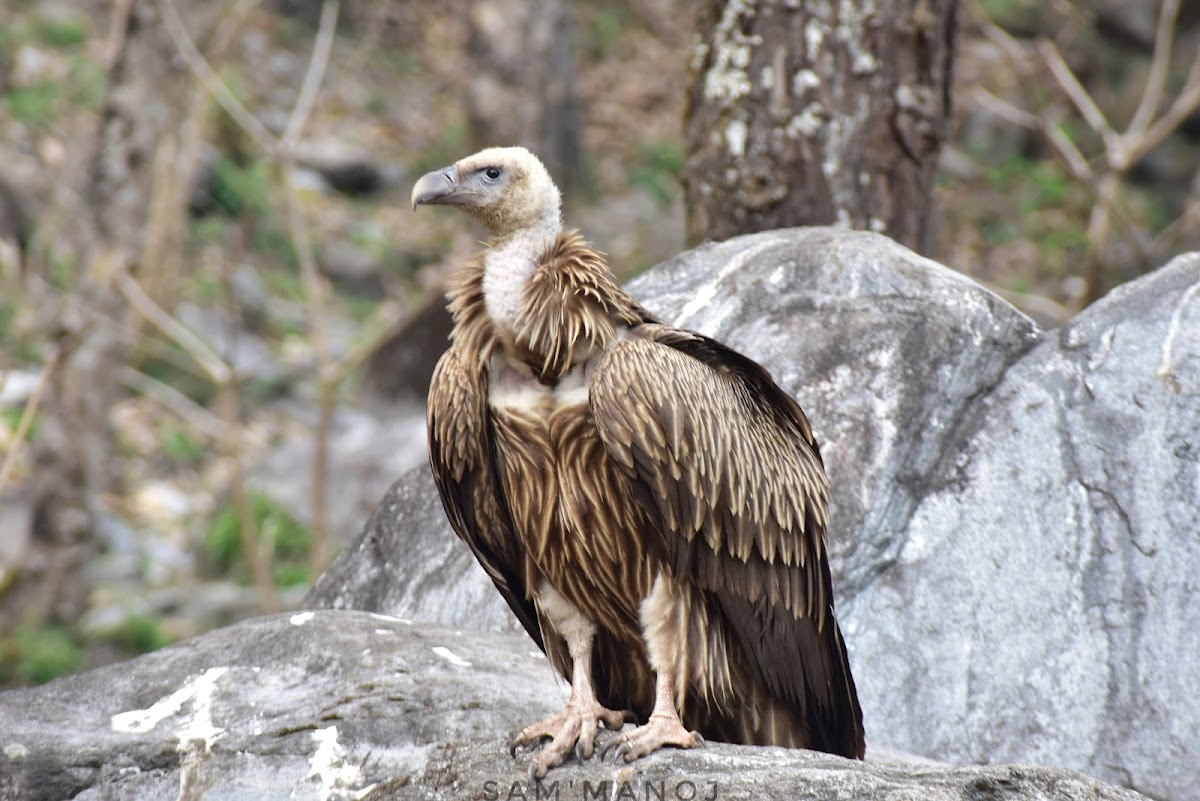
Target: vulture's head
{"type": "Point", "coordinates": [505, 188]}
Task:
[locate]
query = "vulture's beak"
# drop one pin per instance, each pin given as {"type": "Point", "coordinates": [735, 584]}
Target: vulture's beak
{"type": "Point", "coordinates": [435, 187]}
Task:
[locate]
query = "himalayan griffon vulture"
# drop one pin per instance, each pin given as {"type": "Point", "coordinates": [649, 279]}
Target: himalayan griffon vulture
{"type": "Point", "coordinates": [651, 505]}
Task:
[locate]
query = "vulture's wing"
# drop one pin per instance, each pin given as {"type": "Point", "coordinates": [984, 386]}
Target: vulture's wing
{"type": "Point", "coordinates": [727, 462]}
{"type": "Point", "coordinates": [463, 468]}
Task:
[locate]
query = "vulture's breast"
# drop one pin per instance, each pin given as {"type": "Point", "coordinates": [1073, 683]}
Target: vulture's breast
{"type": "Point", "coordinates": [571, 504]}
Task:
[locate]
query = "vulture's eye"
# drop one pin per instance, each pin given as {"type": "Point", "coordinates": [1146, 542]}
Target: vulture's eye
{"type": "Point", "coordinates": [492, 173]}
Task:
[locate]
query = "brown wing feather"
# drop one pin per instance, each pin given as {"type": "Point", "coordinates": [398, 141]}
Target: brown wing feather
{"type": "Point", "coordinates": [728, 464]}
{"type": "Point", "coordinates": [463, 469]}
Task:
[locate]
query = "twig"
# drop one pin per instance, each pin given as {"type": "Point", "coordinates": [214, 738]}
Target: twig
{"type": "Point", "coordinates": [1159, 67]}
{"type": "Point", "coordinates": [1076, 163]}
{"type": "Point", "coordinates": [208, 76]}
{"type": "Point", "coordinates": [1187, 101]}
{"type": "Point", "coordinates": [118, 24]}
{"type": "Point", "coordinates": [252, 547]}
{"type": "Point", "coordinates": [184, 407]}
{"type": "Point", "coordinates": [1099, 225]}
{"type": "Point", "coordinates": [382, 332]}
{"type": "Point", "coordinates": [31, 407]}
{"type": "Point", "coordinates": [314, 291]}
{"type": "Point", "coordinates": [1074, 90]}
{"type": "Point", "coordinates": [313, 76]}
{"type": "Point", "coordinates": [314, 287]}
{"type": "Point", "coordinates": [218, 371]}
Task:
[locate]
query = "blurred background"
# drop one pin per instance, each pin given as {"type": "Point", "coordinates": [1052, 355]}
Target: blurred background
{"type": "Point", "coordinates": [218, 314]}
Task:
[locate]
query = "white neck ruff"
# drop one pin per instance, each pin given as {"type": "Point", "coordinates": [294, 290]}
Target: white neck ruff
{"type": "Point", "coordinates": [507, 270]}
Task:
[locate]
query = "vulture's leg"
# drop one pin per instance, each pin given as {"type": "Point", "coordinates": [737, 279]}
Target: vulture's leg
{"type": "Point", "coordinates": [665, 626]}
{"type": "Point", "coordinates": [574, 728]}
{"type": "Point", "coordinates": [664, 727]}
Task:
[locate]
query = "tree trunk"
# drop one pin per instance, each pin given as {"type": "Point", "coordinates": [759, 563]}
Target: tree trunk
{"type": "Point", "coordinates": [818, 113]}
{"type": "Point", "coordinates": [523, 91]}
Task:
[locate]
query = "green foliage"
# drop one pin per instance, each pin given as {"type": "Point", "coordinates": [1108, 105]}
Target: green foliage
{"type": "Point", "coordinates": [359, 308]}
{"type": "Point", "coordinates": [12, 419]}
{"type": "Point", "coordinates": [284, 284]}
{"type": "Point", "coordinates": [61, 32]}
{"type": "Point", "coordinates": [286, 538]}
{"type": "Point", "coordinates": [66, 32]}
{"type": "Point", "coordinates": [64, 270]}
{"type": "Point", "coordinates": [1018, 16]}
{"type": "Point", "coordinates": [8, 313]}
{"type": "Point", "coordinates": [242, 188]}
{"type": "Point", "coordinates": [272, 241]}
{"type": "Point", "coordinates": [87, 83]}
{"type": "Point", "coordinates": [35, 105]}
{"type": "Point", "coordinates": [42, 104]}
{"type": "Point", "coordinates": [36, 654]}
{"type": "Point", "coordinates": [604, 33]}
{"type": "Point", "coordinates": [16, 346]}
{"type": "Point", "coordinates": [1036, 200]}
{"type": "Point", "coordinates": [179, 445]}
{"type": "Point", "coordinates": [658, 169]}
{"type": "Point", "coordinates": [138, 634]}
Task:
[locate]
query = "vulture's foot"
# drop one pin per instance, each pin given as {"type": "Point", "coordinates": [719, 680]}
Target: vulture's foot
{"type": "Point", "coordinates": [572, 729]}
{"type": "Point", "coordinates": [661, 730]}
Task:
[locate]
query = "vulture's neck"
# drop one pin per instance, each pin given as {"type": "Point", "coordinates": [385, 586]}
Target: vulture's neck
{"type": "Point", "coordinates": [508, 266]}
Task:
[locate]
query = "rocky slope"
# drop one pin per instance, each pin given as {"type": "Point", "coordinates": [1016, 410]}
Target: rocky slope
{"type": "Point", "coordinates": [1015, 511]}
{"type": "Point", "coordinates": [351, 705]}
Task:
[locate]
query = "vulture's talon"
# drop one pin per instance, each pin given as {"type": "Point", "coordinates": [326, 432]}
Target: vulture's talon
{"type": "Point", "coordinates": [572, 731]}
{"type": "Point", "coordinates": [610, 746]}
{"type": "Point", "coordinates": [658, 733]}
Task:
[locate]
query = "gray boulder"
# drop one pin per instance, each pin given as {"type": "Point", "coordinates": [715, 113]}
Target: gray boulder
{"type": "Point", "coordinates": [349, 705]}
{"type": "Point", "coordinates": [1016, 513]}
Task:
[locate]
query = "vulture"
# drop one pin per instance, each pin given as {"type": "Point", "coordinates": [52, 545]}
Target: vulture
{"type": "Point", "coordinates": [651, 505]}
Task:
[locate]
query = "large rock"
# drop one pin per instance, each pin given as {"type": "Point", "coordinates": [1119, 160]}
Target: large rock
{"type": "Point", "coordinates": [348, 705]}
{"type": "Point", "coordinates": [1016, 513]}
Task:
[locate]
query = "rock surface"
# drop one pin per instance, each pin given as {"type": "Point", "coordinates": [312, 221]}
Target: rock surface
{"type": "Point", "coordinates": [347, 705]}
{"type": "Point", "coordinates": [1016, 513]}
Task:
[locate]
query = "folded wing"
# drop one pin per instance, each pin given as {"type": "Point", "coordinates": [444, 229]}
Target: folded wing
{"type": "Point", "coordinates": [727, 464]}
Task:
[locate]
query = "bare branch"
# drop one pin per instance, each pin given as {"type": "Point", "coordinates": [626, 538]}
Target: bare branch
{"type": "Point", "coordinates": [208, 76]}
{"type": "Point", "coordinates": [1076, 163]}
{"type": "Point", "coordinates": [118, 24]}
{"type": "Point", "coordinates": [314, 286]}
{"type": "Point", "coordinates": [1159, 67]}
{"type": "Point", "coordinates": [184, 407]}
{"type": "Point", "coordinates": [218, 371]}
{"type": "Point", "coordinates": [1074, 90]}
{"type": "Point", "coordinates": [1005, 110]}
{"type": "Point", "coordinates": [391, 317]}
{"type": "Point", "coordinates": [31, 407]}
{"type": "Point", "coordinates": [1014, 50]}
{"type": "Point", "coordinates": [1185, 103]}
{"type": "Point", "coordinates": [314, 75]}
